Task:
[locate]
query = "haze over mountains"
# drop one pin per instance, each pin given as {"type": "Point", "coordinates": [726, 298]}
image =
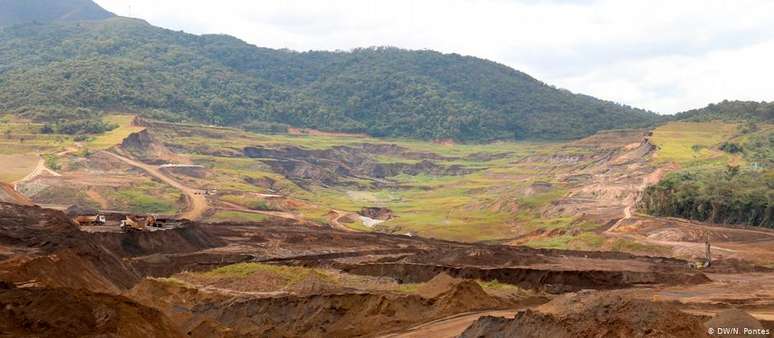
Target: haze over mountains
{"type": "Point", "coordinates": [126, 64]}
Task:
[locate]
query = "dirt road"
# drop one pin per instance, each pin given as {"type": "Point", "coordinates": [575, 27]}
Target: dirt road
{"type": "Point", "coordinates": [39, 169]}
{"type": "Point", "coordinates": [335, 218]}
{"type": "Point", "coordinates": [10, 191]}
{"type": "Point", "coordinates": [633, 198]}
{"type": "Point", "coordinates": [448, 327]}
{"type": "Point", "coordinates": [197, 203]}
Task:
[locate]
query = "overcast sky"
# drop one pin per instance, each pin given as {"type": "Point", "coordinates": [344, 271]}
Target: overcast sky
{"type": "Point", "coordinates": [663, 55]}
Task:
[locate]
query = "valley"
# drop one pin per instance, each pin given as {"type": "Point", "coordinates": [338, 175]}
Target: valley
{"type": "Point", "coordinates": [386, 169]}
{"type": "Point", "coordinates": [384, 229]}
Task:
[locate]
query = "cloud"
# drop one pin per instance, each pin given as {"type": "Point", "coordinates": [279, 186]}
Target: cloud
{"type": "Point", "coordinates": [666, 56]}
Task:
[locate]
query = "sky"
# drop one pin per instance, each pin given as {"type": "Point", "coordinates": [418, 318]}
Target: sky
{"type": "Point", "coordinates": [663, 55]}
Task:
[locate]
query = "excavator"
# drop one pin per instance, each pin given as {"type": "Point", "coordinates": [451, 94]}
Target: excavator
{"type": "Point", "coordinates": [138, 223]}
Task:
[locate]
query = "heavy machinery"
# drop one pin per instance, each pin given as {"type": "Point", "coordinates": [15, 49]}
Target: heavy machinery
{"type": "Point", "coordinates": [135, 223]}
{"type": "Point", "coordinates": [90, 219]}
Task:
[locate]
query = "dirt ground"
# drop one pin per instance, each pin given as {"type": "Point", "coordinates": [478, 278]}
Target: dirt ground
{"type": "Point", "coordinates": [382, 281]}
{"type": "Point", "coordinates": [289, 277]}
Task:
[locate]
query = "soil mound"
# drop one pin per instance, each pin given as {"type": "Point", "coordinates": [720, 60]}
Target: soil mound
{"type": "Point", "coordinates": [733, 318]}
{"type": "Point", "coordinates": [318, 315]}
{"type": "Point", "coordinates": [603, 315]}
{"type": "Point", "coordinates": [553, 281]}
{"type": "Point", "coordinates": [144, 147]}
{"type": "Point", "coordinates": [466, 294]}
{"type": "Point", "coordinates": [50, 251]}
{"type": "Point", "coordinates": [78, 313]}
{"type": "Point", "coordinates": [312, 284]}
{"type": "Point", "coordinates": [441, 283]}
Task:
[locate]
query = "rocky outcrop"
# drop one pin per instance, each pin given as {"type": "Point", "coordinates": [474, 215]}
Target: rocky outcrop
{"type": "Point", "coordinates": [144, 147]}
{"type": "Point", "coordinates": [382, 214]}
{"type": "Point", "coordinates": [336, 165]}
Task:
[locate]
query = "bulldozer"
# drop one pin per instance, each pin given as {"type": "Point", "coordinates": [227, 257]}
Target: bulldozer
{"type": "Point", "coordinates": [138, 223]}
{"type": "Point", "coordinates": [90, 219]}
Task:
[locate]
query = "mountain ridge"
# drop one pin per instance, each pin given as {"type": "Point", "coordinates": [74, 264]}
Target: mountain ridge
{"type": "Point", "coordinates": [17, 11]}
{"type": "Point", "coordinates": [128, 64]}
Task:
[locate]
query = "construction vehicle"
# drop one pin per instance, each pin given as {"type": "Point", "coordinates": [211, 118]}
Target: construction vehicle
{"type": "Point", "coordinates": [90, 219]}
{"type": "Point", "coordinates": [138, 223]}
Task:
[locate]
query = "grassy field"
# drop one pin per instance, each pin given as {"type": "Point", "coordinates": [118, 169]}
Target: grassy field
{"type": "Point", "coordinates": [692, 143]}
{"type": "Point", "coordinates": [145, 197]}
{"type": "Point", "coordinates": [23, 137]}
{"type": "Point", "coordinates": [115, 136]}
{"type": "Point", "coordinates": [236, 216]}
{"type": "Point", "coordinates": [487, 204]}
{"type": "Point", "coordinates": [473, 207]}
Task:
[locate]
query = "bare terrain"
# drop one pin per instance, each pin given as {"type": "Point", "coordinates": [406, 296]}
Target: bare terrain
{"type": "Point", "coordinates": [347, 236]}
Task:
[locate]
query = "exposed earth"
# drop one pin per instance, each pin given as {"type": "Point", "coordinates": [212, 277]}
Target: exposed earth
{"type": "Point", "coordinates": [347, 236]}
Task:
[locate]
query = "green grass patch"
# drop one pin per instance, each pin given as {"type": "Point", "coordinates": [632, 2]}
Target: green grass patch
{"type": "Point", "coordinates": [175, 282]}
{"type": "Point", "coordinates": [115, 136]}
{"type": "Point", "coordinates": [410, 288]}
{"type": "Point", "coordinates": [146, 197]}
{"type": "Point", "coordinates": [237, 216]}
{"type": "Point", "coordinates": [582, 241]}
{"type": "Point", "coordinates": [688, 143]}
{"type": "Point", "coordinates": [630, 246]}
{"type": "Point", "coordinates": [291, 274]}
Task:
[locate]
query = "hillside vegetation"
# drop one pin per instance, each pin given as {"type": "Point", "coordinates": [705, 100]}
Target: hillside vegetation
{"type": "Point", "coordinates": [731, 111]}
{"type": "Point", "coordinates": [23, 11]}
{"type": "Point", "coordinates": [726, 174]}
{"type": "Point", "coordinates": [49, 70]}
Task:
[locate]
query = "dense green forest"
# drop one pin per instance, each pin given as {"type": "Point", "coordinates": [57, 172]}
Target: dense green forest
{"type": "Point", "coordinates": [128, 65]}
{"type": "Point", "coordinates": [720, 196]}
{"type": "Point", "coordinates": [731, 194]}
{"type": "Point", "coordinates": [23, 11]}
{"type": "Point", "coordinates": [731, 111]}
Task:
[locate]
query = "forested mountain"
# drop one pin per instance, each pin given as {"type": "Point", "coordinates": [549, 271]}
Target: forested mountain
{"type": "Point", "coordinates": [731, 111]}
{"type": "Point", "coordinates": [49, 70]}
{"type": "Point", "coordinates": [42, 11]}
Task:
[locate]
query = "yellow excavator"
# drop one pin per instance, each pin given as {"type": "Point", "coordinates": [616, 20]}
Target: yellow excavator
{"type": "Point", "coordinates": [138, 223]}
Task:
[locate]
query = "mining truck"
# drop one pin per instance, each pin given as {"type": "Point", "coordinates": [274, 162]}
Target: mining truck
{"type": "Point", "coordinates": [138, 223]}
{"type": "Point", "coordinates": [90, 219]}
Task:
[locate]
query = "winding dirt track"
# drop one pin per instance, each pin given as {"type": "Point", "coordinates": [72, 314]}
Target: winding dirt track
{"type": "Point", "coordinates": [10, 190]}
{"type": "Point", "coordinates": [196, 202]}
{"type": "Point", "coordinates": [39, 169]}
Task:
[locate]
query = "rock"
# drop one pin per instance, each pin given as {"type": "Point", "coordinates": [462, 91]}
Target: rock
{"type": "Point", "coordinates": [336, 165]}
{"type": "Point", "coordinates": [378, 213]}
